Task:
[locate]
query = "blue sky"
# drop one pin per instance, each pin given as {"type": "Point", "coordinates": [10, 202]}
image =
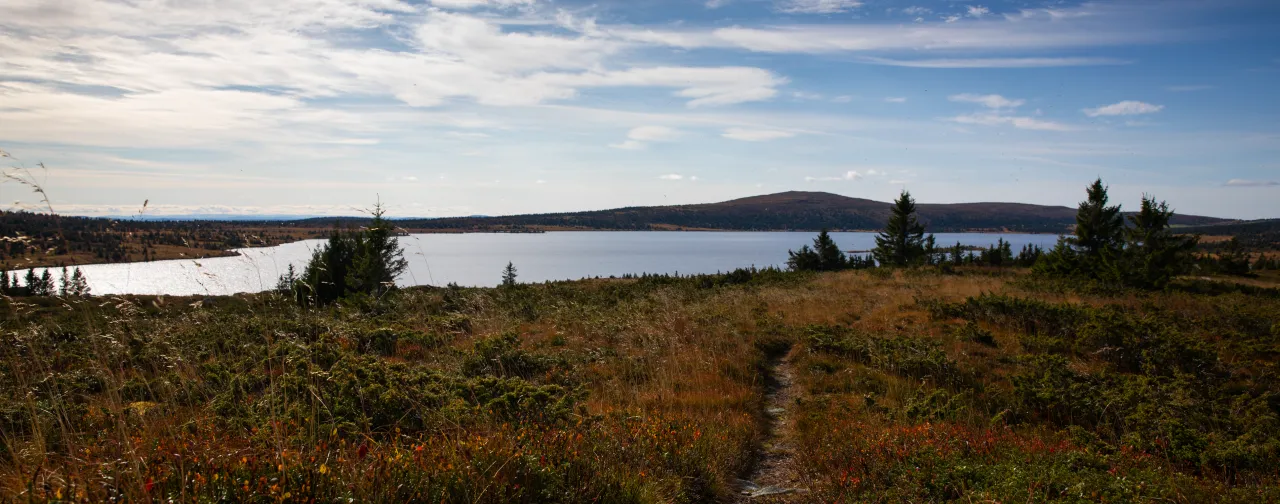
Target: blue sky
{"type": "Point", "coordinates": [461, 107]}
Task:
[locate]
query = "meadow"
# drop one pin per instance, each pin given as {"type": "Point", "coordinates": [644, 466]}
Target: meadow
{"type": "Point", "coordinates": [923, 385]}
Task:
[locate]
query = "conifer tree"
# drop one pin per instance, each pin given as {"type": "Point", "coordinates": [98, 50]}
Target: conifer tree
{"type": "Point", "coordinates": [509, 275]}
{"type": "Point", "coordinates": [46, 283]}
{"type": "Point", "coordinates": [824, 256]}
{"type": "Point", "coordinates": [902, 243]}
{"type": "Point", "coordinates": [1154, 254]}
{"type": "Point", "coordinates": [63, 284]}
{"type": "Point", "coordinates": [79, 285]}
{"type": "Point", "coordinates": [1094, 250]}
{"type": "Point", "coordinates": [4, 283]}
{"type": "Point", "coordinates": [378, 257]}
{"type": "Point", "coordinates": [366, 261]}
{"type": "Point", "coordinates": [1099, 233]}
{"type": "Point", "coordinates": [33, 283]}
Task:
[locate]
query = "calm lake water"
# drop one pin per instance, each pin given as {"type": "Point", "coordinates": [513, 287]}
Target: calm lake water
{"type": "Point", "coordinates": [477, 259]}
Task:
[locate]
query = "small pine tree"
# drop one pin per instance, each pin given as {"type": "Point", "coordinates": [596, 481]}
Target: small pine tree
{"type": "Point", "coordinates": [902, 243]}
{"type": "Point", "coordinates": [804, 259]}
{"type": "Point", "coordinates": [824, 256]}
{"type": "Point", "coordinates": [64, 280]}
{"type": "Point", "coordinates": [1099, 233]}
{"type": "Point", "coordinates": [46, 283]}
{"type": "Point", "coordinates": [79, 284]}
{"type": "Point", "coordinates": [1095, 248]}
{"type": "Point", "coordinates": [509, 275]}
{"type": "Point", "coordinates": [4, 283]}
{"type": "Point", "coordinates": [33, 283]}
{"type": "Point", "coordinates": [1154, 255]}
{"type": "Point", "coordinates": [957, 254]}
{"type": "Point", "coordinates": [366, 261]}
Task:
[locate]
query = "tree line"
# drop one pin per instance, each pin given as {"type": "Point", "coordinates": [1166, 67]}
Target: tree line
{"type": "Point", "coordinates": [1141, 251]}
{"type": "Point", "coordinates": [71, 283]}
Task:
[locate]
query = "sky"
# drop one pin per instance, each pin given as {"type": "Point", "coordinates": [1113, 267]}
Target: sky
{"type": "Point", "coordinates": [492, 107]}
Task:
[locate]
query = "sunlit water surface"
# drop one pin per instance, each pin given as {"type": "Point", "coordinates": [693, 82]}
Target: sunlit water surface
{"type": "Point", "coordinates": [477, 259]}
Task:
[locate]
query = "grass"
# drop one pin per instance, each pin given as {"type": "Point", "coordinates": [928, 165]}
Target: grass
{"type": "Point", "coordinates": [917, 386]}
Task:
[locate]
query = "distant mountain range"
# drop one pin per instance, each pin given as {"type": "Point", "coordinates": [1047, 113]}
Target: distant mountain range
{"type": "Point", "coordinates": [795, 210]}
{"type": "Point", "coordinates": [788, 211]}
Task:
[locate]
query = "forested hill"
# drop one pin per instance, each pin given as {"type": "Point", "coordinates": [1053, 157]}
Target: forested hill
{"type": "Point", "coordinates": [804, 211]}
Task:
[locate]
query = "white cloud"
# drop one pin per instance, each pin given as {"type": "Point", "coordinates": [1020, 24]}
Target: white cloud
{"type": "Point", "coordinates": [1251, 183]}
{"type": "Point", "coordinates": [1124, 108]}
{"type": "Point", "coordinates": [993, 101]}
{"type": "Point", "coordinates": [916, 11]}
{"type": "Point", "coordinates": [977, 11]}
{"type": "Point", "coordinates": [755, 135]}
{"type": "Point", "coordinates": [842, 99]}
{"type": "Point", "coordinates": [895, 99]}
{"type": "Point", "coordinates": [471, 4]}
{"type": "Point", "coordinates": [996, 62]}
{"type": "Point", "coordinates": [818, 6]}
{"type": "Point", "coordinates": [716, 4]}
{"type": "Point", "coordinates": [849, 175]}
{"type": "Point", "coordinates": [1027, 123]}
{"type": "Point", "coordinates": [1094, 24]}
{"type": "Point", "coordinates": [671, 176]}
{"type": "Point", "coordinates": [652, 133]}
{"type": "Point", "coordinates": [540, 182]}
{"type": "Point", "coordinates": [640, 137]}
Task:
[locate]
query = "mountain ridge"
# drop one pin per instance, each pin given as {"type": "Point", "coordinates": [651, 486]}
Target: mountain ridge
{"type": "Point", "coordinates": [788, 211]}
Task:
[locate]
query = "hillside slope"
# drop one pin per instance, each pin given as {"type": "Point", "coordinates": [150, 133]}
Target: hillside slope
{"type": "Point", "coordinates": [794, 210]}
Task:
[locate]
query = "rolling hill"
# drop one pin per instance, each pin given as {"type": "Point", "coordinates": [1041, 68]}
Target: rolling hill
{"type": "Point", "coordinates": [795, 210]}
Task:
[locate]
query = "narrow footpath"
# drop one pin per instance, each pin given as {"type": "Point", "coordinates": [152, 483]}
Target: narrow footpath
{"type": "Point", "coordinates": [775, 479]}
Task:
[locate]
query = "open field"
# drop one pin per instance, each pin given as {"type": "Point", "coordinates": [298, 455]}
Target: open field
{"type": "Point", "coordinates": [860, 386]}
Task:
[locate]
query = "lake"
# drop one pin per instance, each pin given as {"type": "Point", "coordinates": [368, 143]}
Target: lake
{"type": "Point", "coordinates": [477, 259]}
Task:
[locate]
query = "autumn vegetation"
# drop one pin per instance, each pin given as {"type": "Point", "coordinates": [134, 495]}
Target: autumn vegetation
{"type": "Point", "coordinates": [936, 380]}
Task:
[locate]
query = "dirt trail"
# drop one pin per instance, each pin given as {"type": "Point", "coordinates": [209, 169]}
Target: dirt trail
{"type": "Point", "coordinates": [775, 479]}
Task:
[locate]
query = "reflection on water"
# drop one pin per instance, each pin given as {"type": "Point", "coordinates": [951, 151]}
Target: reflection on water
{"type": "Point", "coordinates": [478, 259]}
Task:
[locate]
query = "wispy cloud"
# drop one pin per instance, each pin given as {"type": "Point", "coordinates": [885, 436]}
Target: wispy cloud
{"type": "Point", "coordinates": [896, 99]}
{"type": "Point", "coordinates": [1124, 108]}
{"type": "Point", "coordinates": [1251, 183]}
{"type": "Point", "coordinates": [671, 176]}
{"type": "Point", "coordinates": [993, 101]}
{"type": "Point", "coordinates": [976, 11]}
{"type": "Point", "coordinates": [996, 62]}
{"type": "Point", "coordinates": [640, 137]}
{"type": "Point", "coordinates": [849, 176]}
{"type": "Point", "coordinates": [1027, 123]}
{"type": "Point", "coordinates": [818, 6]}
{"type": "Point", "coordinates": [755, 135]}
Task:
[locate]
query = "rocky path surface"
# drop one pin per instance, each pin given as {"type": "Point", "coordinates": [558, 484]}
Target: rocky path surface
{"type": "Point", "coordinates": [775, 479]}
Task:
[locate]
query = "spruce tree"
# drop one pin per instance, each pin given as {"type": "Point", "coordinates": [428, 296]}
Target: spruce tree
{"type": "Point", "coordinates": [1099, 233]}
{"type": "Point", "coordinates": [1094, 250]}
{"type": "Point", "coordinates": [824, 256]}
{"type": "Point", "coordinates": [79, 285]}
{"type": "Point", "coordinates": [509, 275]}
{"type": "Point", "coordinates": [830, 257]}
{"type": "Point", "coordinates": [33, 283]}
{"type": "Point", "coordinates": [804, 259]}
{"type": "Point", "coordinates": [902, 243]}
{"type": "Point", "coordinates": [65, 280]}
{"type": "Point", "coordinates": [1154, 254]}
{"type": "Point", "coordinates": [4, 283]}
{"type": "Point", "coordinates": [379, 259]}
{"type": "Point", "coordinates": [46, 283]}
{"type": "Point", "coordinates": [366, 261]}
